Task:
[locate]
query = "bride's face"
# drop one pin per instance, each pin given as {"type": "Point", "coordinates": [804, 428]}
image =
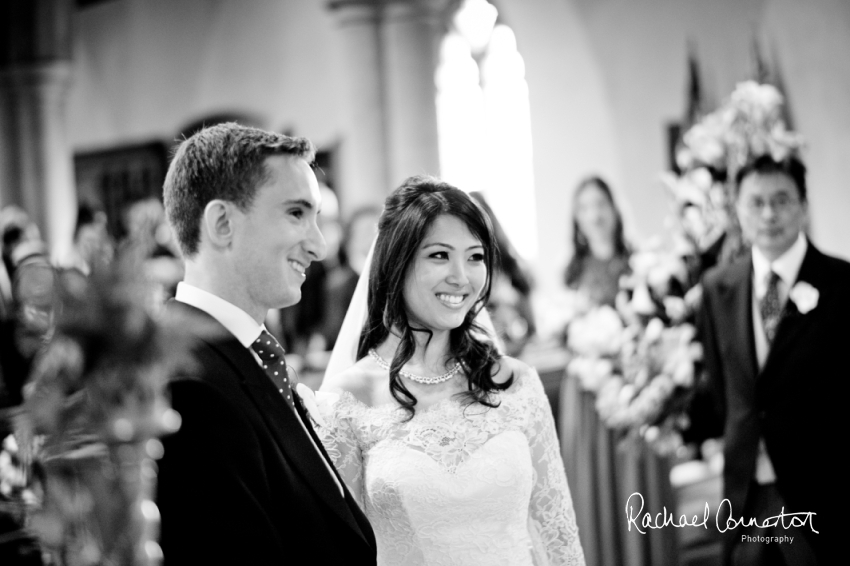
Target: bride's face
{"type": "Point", "coordinates": [446, 277]}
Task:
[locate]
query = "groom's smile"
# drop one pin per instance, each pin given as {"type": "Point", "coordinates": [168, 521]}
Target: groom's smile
{"type": "Point", "coordinates": [278, 238]}
{"type": "Point", "coordinates": [299, 267]}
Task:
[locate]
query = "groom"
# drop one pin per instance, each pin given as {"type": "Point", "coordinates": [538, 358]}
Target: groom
{"type": "Point", "coordinates": [776, 333]}
{"type": "Point", "coordinates": [245, 480]}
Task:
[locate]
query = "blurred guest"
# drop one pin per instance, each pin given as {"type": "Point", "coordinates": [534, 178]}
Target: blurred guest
{"type": "Point", "coordinates": [28, 296]}
{"type": "Point", "coordinates": [600, 253]}
{"type": "Point", "coordinates": [148, 229]}
{"type": "Point", "coordinates": [357, 237]}
{"type": "Point", "coordinates": [510, 295]}
{"type": "Point", "coordinates": [150, 239]}
{"type": "Point", "coordinates": [18, 230]}
{"type": "Point", "coordinates": [92, 245]}
{"type": "Point", "coordinates": [774, 331]}
{"type": "Point", "coordinates": [31, 318]}
{"type": "Point", "coordinates": [21, 239]}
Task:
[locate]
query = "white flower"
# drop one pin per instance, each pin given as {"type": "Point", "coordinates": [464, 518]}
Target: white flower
{"type": "Point", "coordinates": [592, 372]}
{"type": "Point", "coordinates": [642, 301]}
{"type": "Point", "coordinates": [804, 296]}
{"type": "Point", "coordinates": [309, 400]}
{"type": "Point", "coordinates": [10, 444]}
{"type": "Point", "coordinates": [701, 178]}
{"type": "Point", "coordinates": [654, 329]}
{"type": "Point", "coordinates": [599, 332]}
{"type": "Point", "coordinates": [683, 374]}
{"type": "Point", "coordinates": [675, 308]}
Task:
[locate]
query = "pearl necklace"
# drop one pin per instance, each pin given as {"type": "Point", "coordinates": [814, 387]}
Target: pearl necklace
{"type": "Point", "coordinates": [412, 376]}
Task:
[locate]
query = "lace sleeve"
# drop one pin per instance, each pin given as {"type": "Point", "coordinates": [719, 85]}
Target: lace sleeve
{"type": "Point", "coordinates": [339, 439]}
{"type": "Point", "coordinates": [551, 513]}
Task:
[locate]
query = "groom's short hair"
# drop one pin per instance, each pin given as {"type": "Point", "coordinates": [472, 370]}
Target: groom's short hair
{"type": "Point", "coordinates": [227, 162]}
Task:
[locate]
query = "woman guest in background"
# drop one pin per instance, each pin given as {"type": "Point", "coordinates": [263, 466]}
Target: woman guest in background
{"type": "Point", "coordinates": [510, 297]}
{"type": "Point", "coordinates": [449, 446]}
{"type": "Point", "coordinates": [600, 258]}
{"type": "Point", "coordinates": [357, 237]}
{"type": "Point", "coordinates": [601, 254]}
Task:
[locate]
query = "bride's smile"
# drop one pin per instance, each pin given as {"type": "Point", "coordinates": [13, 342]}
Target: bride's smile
{"type": "Point", "coordinates": [446, 277]}
{"type": "Point", "coordinates": [451, 301]}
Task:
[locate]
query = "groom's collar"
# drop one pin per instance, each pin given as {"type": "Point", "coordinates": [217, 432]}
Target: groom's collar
{"type": "Point", "coordinates": [235, 320]}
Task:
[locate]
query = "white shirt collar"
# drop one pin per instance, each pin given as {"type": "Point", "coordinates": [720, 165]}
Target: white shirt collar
{"type": "Point", "coordinates": [235, 320]}
{"type": "Point", "coordinates": [786, 266]}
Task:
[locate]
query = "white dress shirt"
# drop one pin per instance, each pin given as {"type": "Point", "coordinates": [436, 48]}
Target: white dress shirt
{"type": "Point", "coordinates": [787, 267]}
{"type": "Point", "coordinates": [243, 327]}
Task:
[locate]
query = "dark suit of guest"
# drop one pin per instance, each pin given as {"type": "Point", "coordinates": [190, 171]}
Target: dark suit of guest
{"type": "Point", "coordinates": [242, 481]}
{"type": "Point", "coordinates": [791, 402]}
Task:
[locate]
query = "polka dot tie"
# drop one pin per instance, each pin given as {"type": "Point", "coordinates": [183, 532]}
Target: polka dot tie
{"type": "Point", "coordinates": [771, 307]}
{"type": "Point", "coordinates": [271, 353]}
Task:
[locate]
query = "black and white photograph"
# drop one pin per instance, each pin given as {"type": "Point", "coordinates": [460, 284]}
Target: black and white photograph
{"type": "Point", "coordinates": [424, 282]}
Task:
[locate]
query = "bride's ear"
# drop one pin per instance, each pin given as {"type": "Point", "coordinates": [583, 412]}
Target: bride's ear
{"type": "Point", "coordinates": [217, 223]}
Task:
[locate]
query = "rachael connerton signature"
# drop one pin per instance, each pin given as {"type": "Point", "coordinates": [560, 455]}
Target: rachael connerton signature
{"type": "Point", "coordinates": [724, 520]}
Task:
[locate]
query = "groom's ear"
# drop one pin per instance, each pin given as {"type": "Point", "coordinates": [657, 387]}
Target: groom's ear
{"type": "Point", "coordinates": [217, 223]}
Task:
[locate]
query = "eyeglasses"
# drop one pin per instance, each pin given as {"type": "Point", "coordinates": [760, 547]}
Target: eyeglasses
{"type": "Point", "coordinates": [779, 204]}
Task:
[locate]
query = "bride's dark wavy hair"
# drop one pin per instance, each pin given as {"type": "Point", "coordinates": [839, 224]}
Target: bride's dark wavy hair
{"type": "Point", "coordinates": [409, 212]}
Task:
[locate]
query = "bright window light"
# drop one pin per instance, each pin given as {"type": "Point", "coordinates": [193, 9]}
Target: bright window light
{"type": "Point", "coordinates": [485, 124]}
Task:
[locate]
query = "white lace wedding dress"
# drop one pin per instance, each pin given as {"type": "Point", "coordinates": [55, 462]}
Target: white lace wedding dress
{"type": "Point", "coordinates": [458, 485]}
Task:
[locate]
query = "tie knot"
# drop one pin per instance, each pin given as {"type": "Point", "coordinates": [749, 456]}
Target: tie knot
{"type": "Point", "coordinates": [267, 348]}
{"type": "Point", "coordinates": [772, 278]}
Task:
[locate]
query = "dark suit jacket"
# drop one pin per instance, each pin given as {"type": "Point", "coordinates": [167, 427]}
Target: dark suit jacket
{"type": "Point", "coordinates": [794, 401]}
{"type": "Point", "coordinates": [240, 482]}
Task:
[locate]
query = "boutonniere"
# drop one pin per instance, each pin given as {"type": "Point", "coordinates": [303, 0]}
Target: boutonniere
{"type": "Point", "coordinates": [309, 400]}
{"type": "Point", "coordinates": [804, 296]}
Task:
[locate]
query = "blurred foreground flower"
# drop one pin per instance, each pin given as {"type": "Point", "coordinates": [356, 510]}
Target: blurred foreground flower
{"type": "Point", "coordinates": [93, 411]}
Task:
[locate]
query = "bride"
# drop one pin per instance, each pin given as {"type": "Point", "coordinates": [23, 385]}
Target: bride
{"type": "Point", "coordinates": [448, 446]}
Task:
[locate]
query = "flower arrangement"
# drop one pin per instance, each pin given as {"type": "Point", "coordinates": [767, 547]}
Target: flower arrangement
{"type": "Point", "coordinates": [643, 366]}
{"type": "Point", "coordinates": [640, 359]}
{"type": "Point", "coordinates": [86, 438]}
{"type": "Point", "coordinates": [748, 124]}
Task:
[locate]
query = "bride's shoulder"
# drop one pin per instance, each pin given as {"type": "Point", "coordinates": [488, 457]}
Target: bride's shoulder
{"type": "Point", "coordinates": [508, 367]}
{"type": "Point", "coordinates": [361, 380]}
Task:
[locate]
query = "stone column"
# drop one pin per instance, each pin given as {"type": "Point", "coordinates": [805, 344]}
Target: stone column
{"type": "Point", "coordinates": [390, 50]}
{"type": "Point", "coordinates": [36, 168]}
{"type": "Point", "coordinates": [412, 31]}
{"type": "Point", "coordinates": [365, 178]}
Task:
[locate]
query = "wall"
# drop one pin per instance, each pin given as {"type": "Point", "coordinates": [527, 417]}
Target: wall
{"type": "Point", "coordinates": [146, 68]}
{"type": "Point", "coordinates": [812, 40]}
{"type": "Point", "coordinates": [605, 77]}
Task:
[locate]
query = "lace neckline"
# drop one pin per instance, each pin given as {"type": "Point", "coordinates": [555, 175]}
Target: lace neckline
{"type": "Point", "coordinates": [392, 406]}
{"type": "Point", "coordinates": [437, 406]}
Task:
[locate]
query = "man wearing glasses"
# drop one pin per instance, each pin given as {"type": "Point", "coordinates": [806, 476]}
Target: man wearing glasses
{"type": "Point", "coordinates": [775, 327]}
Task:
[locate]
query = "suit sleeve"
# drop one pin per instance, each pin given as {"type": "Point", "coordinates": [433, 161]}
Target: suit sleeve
{"type": "Point", "coordinates": [211, 489]}
{"type": "Point", "coordinates": [707, 406]}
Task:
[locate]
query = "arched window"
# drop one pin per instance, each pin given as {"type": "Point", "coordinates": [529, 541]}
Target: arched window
{"type": "Point", "coordinates": [484, 121]}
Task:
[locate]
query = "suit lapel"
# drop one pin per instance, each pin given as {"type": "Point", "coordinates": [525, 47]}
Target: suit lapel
{"type": "Point", "coordinates": [793, 323]}
{"type": "Point", "coordinates": [286, 430]}
{"type": "Point", "coordinates": [281, 421]}
{"type": "Point", "coordinates": [736, 292]}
